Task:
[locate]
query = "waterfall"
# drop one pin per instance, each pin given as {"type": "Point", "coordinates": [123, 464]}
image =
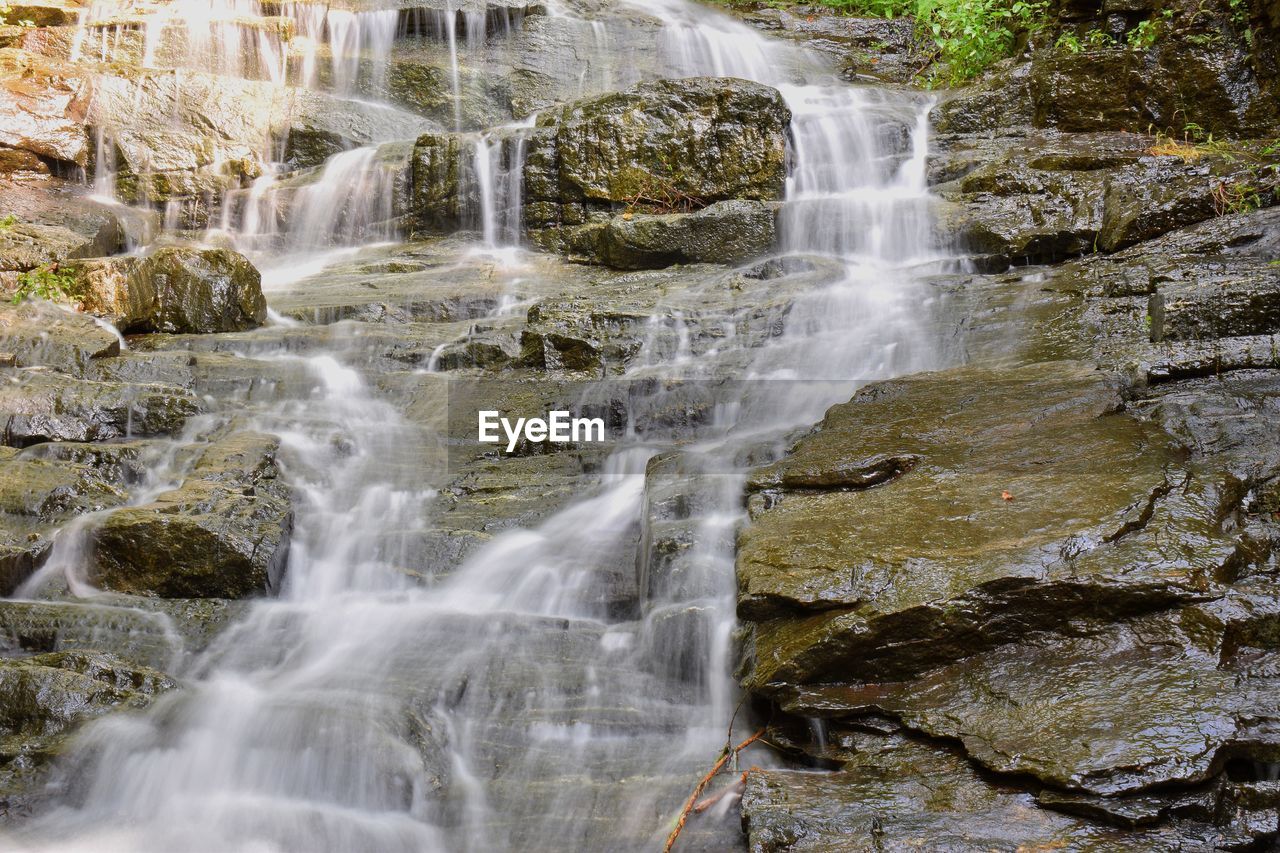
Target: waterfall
{"type": "Point", "coordinates": [514, 703]}
{"type": "Point", "coordinates": [492, 172]}
{"type": "Point", "coordinates": [356, 37]}
{"type": "Point", "coordinates": [296, 227]}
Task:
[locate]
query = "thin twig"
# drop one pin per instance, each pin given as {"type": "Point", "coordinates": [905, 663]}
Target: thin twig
{"type": "Point", "coordinates": [702, 786]}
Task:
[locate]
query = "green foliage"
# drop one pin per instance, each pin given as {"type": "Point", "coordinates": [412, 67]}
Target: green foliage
{"type": "Point", "coordinates": [8, 222]}
{"type": "Point", "coordinates": [47, 282]}
{"type": "Point", "coordinates": [972, 35]}
{"type": "Point", "coordinates": [968, 36]}
{"type": "Point", "coordinates": [1240, 17]}
{"type": "Point", "coordinates": [1069, 43]}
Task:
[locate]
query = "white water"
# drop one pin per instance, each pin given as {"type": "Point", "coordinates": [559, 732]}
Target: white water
{"type": "Point", "coordinates": [511, 706]}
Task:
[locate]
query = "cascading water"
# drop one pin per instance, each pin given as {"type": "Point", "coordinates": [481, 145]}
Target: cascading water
{"type": "Point", "coordinates": [492, 174]}
{"type": "Point", "coordinates": [514, 704]}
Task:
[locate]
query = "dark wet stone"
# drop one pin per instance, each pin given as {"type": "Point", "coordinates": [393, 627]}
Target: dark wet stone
{"type": "Point", "coordinates": [37, 406]}
{"type": "Point", "coordinates": [42, 335]}
{"type": "Point", "coordinates": [896, 794]}
{"type": "Point", "coordinates": [224, 533]}
{"type": "Point", "coordinates": [727, 232]}
{"type": "Point", "coordinates": [836, 589]}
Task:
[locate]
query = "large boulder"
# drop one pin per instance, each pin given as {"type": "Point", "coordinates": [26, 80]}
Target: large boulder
{"type": "Point", "coordinates": [703, 138]}
{"type": "Point", "coordinates": [663, 147]}
{"type": "Point", "coordinates": [173, 289]}
{"type": "Point", "coordinates": [224, 533]}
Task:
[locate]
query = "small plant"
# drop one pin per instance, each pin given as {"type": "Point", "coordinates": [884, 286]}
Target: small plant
{"type": "Point", "coordinates": [1069, 43]}
{"type": "Point", "coordinates": [1146, 33]}
{"type": "Point", "coordinates": [1093, 40]}
{"type": "Point", "coordinates": [8, 222]}
{"type": "Point", "coordinates": [47, 282]}
{"type": "Point", "coordinates": [1143, 36]}
{"type": "Point", "coordinates": [1235, 197]}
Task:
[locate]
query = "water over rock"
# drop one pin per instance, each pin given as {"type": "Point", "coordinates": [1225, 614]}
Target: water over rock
{"type": "Point", "coordinates": [38, 405]}
{"type": "Point", "coordinates": [41, 109]}
{"type": "Point", "coordinates": [43, 698]}
{"type": "Point", "coordinates": [52, 222]}
{"type": "Point", "coordinates": [223, 533]}
{"type": "Point", "coordinates": [660, 147]}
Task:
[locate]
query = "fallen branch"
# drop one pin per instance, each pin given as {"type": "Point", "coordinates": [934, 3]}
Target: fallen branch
{"type": "Point", "coordinates": [702, 786]}
{"type": "Point", "coordinates": [703, 805]}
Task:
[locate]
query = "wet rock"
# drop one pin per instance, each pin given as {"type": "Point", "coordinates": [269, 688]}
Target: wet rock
{"type": "Point", "coordinates": [726, 232]}
{"type": "Point", "coordinates": [870, 49]}
{"type": "Point", "coordinates": [38, 406]}
{"type": "Point", "coordinates": [175, 135]}
{"type": "Point", "coordinates": [703, 138]}
{"type": "Point", "coordinates": [224, 533]}
{"type": "Point", "coordinates": [42, 335]}
{"type": "Point", "coordinates": [1193, 302]}
{"type": "Point", "coordinates": [52, 223]}
{"type": "Point", "coordinates": [1091, 91]}
{"type": "Point", "coordinates": [438, 200]}
{"type": "Point", "coordinates": [322, 125]}
{"type": "Point", "coordinates": [1209, 309]}
{"type": "Point", "coordinates": [1165, 195]}
{"type": "Point", "coordinates": [1001, 100]}
{"type": "Point", "coordinates": [40, 492]}
{"type": "Point", "coordinates": [172, 289]}
{"type": "Point", "coordinates": [41, 110]}
{"type": "Point", "coordinates": [834, 589]}
{"type": "Point", "coordinates": [1110, 710]}
{"type": "Point", "coordinates": [1049, 197]}
{"type": "Point", "coordinates": [44, 698]}
{"type": "Point", "coordinates": [894, 793]}
{"type": "Point", "coordinates": [670, 144]}
{"type": "Point", "coordinates": [43, 14]}
{"type": "Point", "coordinates": [187, 135]}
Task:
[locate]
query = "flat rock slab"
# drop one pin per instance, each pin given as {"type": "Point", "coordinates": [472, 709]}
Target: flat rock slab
{"type": "Point", "coordinates": [1006, 503]}
{"type": "Point", "coordinates": [1113, 710]}
{"type": "Point", "coordinates": [38, 406]}
{"type": "Point", "coordinates": [897, 794]}
{"type": "Point", "coordinates": [38, 334]}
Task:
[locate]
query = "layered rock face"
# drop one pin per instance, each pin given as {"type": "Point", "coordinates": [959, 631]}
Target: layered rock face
{"type": "Point", "coordinates": [1030, 601]}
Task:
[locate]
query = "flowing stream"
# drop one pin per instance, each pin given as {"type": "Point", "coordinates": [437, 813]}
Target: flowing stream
{"type": "Point", "coordinates": [508, 705]}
